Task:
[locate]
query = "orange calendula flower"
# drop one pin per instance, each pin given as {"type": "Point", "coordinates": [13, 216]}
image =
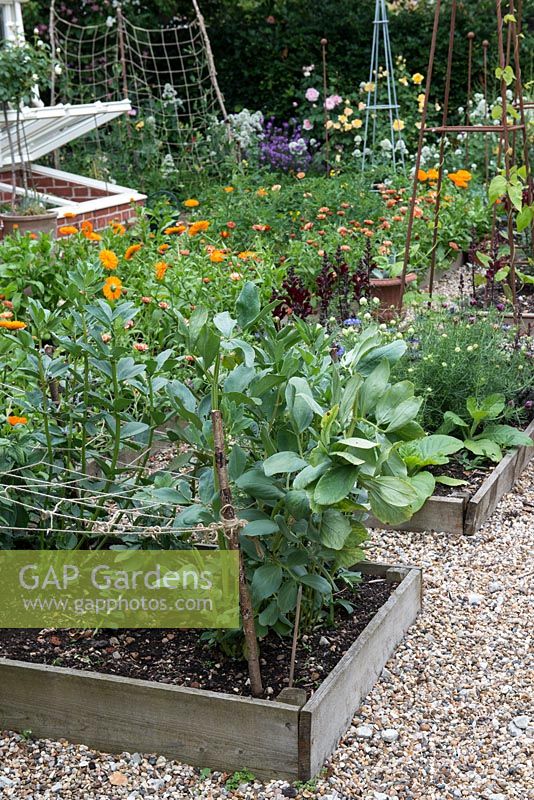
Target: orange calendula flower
{"type": "Point", "coordinates": [14, 420]}
{"type": "Point", "coordinates": [112, 288]}
{"type": "Point", "coordinates": [70, 214]}
{"type": "Point", "coordinates": [262, 192]}
{"type": "Point", "coordinates": [131, 251]}
{"type": "Point", "coordinates": [67, 230]}
{"type": "Point", "coordinates": [228, 189]}
{"type": "Point", "coordinates": [93, 237]}
{"type": "Point", "coordinates": [432, 174]}
{"type": "Point", "coordinates": [160, 268]}
{"type": "Point", "coordinates": [178, 229]}
{"type": "Point", "coordinates": [87, 227]}
{"type": "Point", "coordinates": [108, 259]}
{"type": "Point", "coordinates": [163, 248]}
{"type": "Point", "coordinates": [217, 256]}
{"type": "Point", "coordinates": [460, 178]}
{"type": "Point", "coordinates": [199, 226]}
{"type": "Point", "coordinates": [245, 254]}
{"type": "Point", "coordinates": [225, 234]}
{"type": "Point", "coordinates": [261, 228]}
{"type": "Point", "coordinates": [422, 175]}
{"type": "Point", "coordinates": [12, 324]}
{"type": "Point", "coordinates": [118, 228]}
{"type": "Point", "coordinates": [191, 203]}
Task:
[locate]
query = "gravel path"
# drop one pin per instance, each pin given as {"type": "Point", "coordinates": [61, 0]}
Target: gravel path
{"type": "Point", "coordinates": [451, 716]}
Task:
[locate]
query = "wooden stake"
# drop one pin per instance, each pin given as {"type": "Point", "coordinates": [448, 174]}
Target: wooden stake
{"type": "Point", "coordinates": [232, 535]}
{"type": "Point", "coordinates": [295, 638]}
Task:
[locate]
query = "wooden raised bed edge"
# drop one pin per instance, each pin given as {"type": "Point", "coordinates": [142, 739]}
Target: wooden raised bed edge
{"type": "Point", "coordinates": [463, 514]}
{"type": "Point", "coordinates": [279, 739]}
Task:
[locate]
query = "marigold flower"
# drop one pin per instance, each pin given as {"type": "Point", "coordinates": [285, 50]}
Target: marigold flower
{"type": "Point", "coordinates": [70, 214]}
{"type": "Point", "coordinates": [246, 254]}
{"type": "Point", "coordinates": [142, 347]}
{"type": "Point", "coordinates": [422, 175]}
{"type": "Point", "coordinates": [262, 192]}
{"type": "Point", "coordinates": [368, 222]}
{"type": "Point", "coordinates": [206, 280]}
{"type": "Point", "coordinates": [108, 259]}
{"type": "Point", "coordinates": [433, 174]}
{"type": "Point", "coordinates": [217, 256]}
{"type": "Point", "coordinates": [178, 229]}
{"type": "Point", "coordinates": [191, 203]}
{"type": "Point", "coordinates": [7, 303]}
{"type": "Point", "coordinates": [460, 178]}
{"type": "Point", "coordinates": [163, 248]}
{"type": "Point", "coordinates": [235, 276]}
{"type": "Point", "coordinates": [93, 237]}
{"type": "Point", "coordinates": [67, 230]}
{"type": "Point", "coordinates": [198, 227]}
{"type": "Point", "coordinates": [106, 337]}
{"type": "Point", "coordinates": [12, 324]}
{"type": "Point", "coordinates": [160, 268]}
{"type": "Point", "coordinates": [131, 251]}
{"type": "Point", "coordinates": [112, 288]}
{"type": "Point", "coordinates": [14, 420]}
{"type": "Point", "coordinates": [454, 246]}
{"type": "Point", "coordinates": [87, 227]}
{"type": "Point", "coordinates": [301, 175]}
{"type": "Point", "coordinates": [118, 228]}
{"type": "Point", "coordinates": [185, 252]}
{"type": "Point", "coordinates": [225, 234]}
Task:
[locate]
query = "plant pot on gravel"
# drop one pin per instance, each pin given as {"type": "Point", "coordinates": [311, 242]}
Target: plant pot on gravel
{"type": "Point", "coordinates": [44, 222]}
{"type": "Point", "coordinates": [388, 291]}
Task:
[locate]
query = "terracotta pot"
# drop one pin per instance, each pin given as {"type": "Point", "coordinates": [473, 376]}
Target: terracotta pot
{"type": "Point", "coordinates": [23, 224]}
{"type": "Point", "coordinates": [388, 291]}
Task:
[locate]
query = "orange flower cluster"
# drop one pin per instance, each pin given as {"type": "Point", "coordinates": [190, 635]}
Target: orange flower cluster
{"type": "Point", "coordinates": [108, 259]}
{"type": "Point", "coordinates": [430, 175]}
{"type": "Point", "coordinates": [14, 420]}
{"type": "Point", "coordinates": [89, 233]}
{"type": "Point", "coordinates": [217, 256]}
{"type": "Point", "coordinates": [112, 288]}
{"type": "Point", "coordinates": [12, 324]}
{"type": "Point", "coordinates": [199, 226]}
{"type": "Point", "coordinates": [160, 268]}
{"type": "Point", "coordinates": [460, 178]}
{"type": "Point", "coordinates": [131, 251]}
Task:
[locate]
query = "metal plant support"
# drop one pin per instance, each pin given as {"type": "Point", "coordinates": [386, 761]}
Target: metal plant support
{"type": "Point", "coordinates": [508, 132]}
{"type": "Point", "coordinates": [381, 42]}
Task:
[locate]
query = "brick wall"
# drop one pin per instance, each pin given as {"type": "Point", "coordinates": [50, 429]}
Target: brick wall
{"type": "Point", "coordinates": [78, 193]}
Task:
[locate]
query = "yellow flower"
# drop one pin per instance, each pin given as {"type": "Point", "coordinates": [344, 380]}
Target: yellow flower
{"type": "Point", "coordinates": [417, 78]}
{"type": "Point", "coordinates": [108, 259]}
{"type": "Point", "coordinates": [342, 118]}
{"type": "Point", "coordinates": [347, 127]}
{"type": "Point", "coordinates": [14, 420]}
{"type": "Point", "coordinates": [421, 101]}
{"type": "Point", "coordinates": [112, 288]}
{"type": "Point", "coordinates": [361, 105]}
{"type": "Point", "coordinates": [12, 324]}
{"type": "Point", "coordinates": [337, 126]}
{"type": "Point", "coordinates": [329, 124]}
{"type": "Point", "coordinates": [140, 125]}
{"type": "Point", "coordinates": [191, 203]}
{"type": "Point", "coordinates": [369, 87]}
{"type": "Point", "coordinates": [118, 228]}
{"type": "Point", "coordinates": [245, 254]}
{"type": "Point", "coordinates": [160, 268]}
{"type": "Point", "coordinates": [228, 189]}
{"type": "Point", "coordinates": [131, 251]}
{"type": "Point", "coordinates": [357, 123]}
{"type": "Point", "coordinates": [348, 111]}
{"type": "Point", "coordinates": [398, 125]}
{"type": "Point", "coordinates": [404, 80]}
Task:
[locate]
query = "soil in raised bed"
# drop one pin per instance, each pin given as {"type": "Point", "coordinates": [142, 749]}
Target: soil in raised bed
{"type": "Point", "coordinates": [474, 478]}
{"type": "Point", "coordinates": [183, 658]}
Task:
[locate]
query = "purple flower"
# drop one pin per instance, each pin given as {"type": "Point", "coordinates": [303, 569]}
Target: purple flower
{"type": "Point", "coordinates": [312, 95]}
{"type": "Point", "coordinates": [340, 350]}
{"type": "Point", "coordinates": [352, 321]}
{"type": "Point", "coordinates": [332, 101]}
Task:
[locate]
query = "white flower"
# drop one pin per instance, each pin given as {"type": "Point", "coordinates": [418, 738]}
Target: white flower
{"type": "Point", "coordinates": [58, 69]}
{"type": "Point", "coordinates": [110, 21]}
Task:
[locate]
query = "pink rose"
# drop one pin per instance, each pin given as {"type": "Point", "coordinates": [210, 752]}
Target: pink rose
{"type": "Point", "coordinates": [332, 101]}
{"type": "Point", "coordinates": [307, 124]}
{"type": "Point", "coordinates": [312, 95]}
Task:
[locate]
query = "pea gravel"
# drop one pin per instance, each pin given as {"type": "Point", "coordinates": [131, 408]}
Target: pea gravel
{"type": "Point", "coordinates": [451, 716]}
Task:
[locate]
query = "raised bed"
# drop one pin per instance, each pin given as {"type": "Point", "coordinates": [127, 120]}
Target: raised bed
{"type": "Point", "coordinates": [464, 514]}
{"type": "Point", "coordinates": [287, 738]}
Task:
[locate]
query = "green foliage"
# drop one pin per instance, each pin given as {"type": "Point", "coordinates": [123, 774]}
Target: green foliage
{"type": "Point", "coordinates": [237, 778]}
{"type": "Point", "coordinates": [455, 355]}
{"type": "Point", "coordinates": [22, 66]}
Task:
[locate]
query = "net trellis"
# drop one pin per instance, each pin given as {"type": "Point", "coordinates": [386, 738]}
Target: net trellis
{"type": "Point", "coordinates": [167, 73]}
